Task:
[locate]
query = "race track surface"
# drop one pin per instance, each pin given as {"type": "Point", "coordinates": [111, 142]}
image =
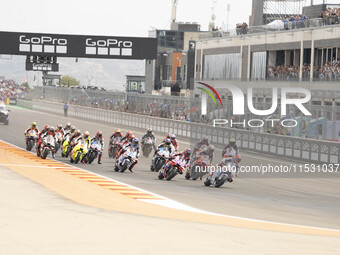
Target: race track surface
{"type": "Point", "coordinates": [304, 199]}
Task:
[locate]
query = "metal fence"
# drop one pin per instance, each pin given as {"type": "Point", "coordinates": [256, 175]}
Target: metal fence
{"type": "Point", "coordinates": [323, 124]}
{"type": "Point", "coordinates": [283, 146]}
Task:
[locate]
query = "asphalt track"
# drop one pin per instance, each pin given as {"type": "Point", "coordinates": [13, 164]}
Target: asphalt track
{"type": "Point", "coordinates": [310, 201]}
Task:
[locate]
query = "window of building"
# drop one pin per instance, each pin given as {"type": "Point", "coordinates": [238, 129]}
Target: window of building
{"type": "Point", "coordinates": [221, 66]}
{"type": "Point", "coordinates": [184, 72]}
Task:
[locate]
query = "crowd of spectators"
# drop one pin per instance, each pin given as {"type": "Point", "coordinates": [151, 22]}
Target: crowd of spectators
{"type": "Point", "coordinates": [330, 71]}
{"type": "Point", "coordinates": [9, 89]}
{"type": "Point", "coordinates": [242, 29]}
{"type": "Point", "coordinates": [299, 21]}
{"type": "Point", "coordinates": [331, 16]}
{"type": "Point", "coordinates": [283, 72]}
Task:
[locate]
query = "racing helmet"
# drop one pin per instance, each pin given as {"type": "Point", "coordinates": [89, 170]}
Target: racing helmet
{"type": "Point", "coordinates": [172, 137]}
{"type": "Point", "coordinates": [118, 131]}
{"type": "Point", "coordinates": [86, 134]}
{"type": "Point", "coordinates": [73, 128]}
{"type": "Point", "coordinates": [47, 127]}
{"type": "Point", "coordinates": [59, 126]}
{"type": "Point", "coordinates": [51, 129]}
{"type": "Point", "coordinates": [167, 141]}
{"type": "Point", "coordinates": [187, 152]}
{"type": "Point", "coordinates": [232, 141]}
{"type": "Point", "coordinates": [33, 124]}
{"type": "Point", "coordinates": [68, 125]}
{"type": "Point", "coordinates": [135, 141]}
{"type": "Point", "coordinates": [99, 134]}
{"type": "Point", "coordinates": [77, 132]}
{"type": "Point", "coordinates": [129, 133]}
{"type": "Point", "coordinates": [149, 131]}
{"type": "Point", "coordinates": [205, 139]}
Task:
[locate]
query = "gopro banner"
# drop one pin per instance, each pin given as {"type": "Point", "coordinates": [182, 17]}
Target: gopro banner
{"type": "Point", "coordinates": [82, 46]}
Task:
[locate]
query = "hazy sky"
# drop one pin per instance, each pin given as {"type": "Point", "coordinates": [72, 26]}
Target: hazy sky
{"type": "Point", "coordinates": [110, 17]}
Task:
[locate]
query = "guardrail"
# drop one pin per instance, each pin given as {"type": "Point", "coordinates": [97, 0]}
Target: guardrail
{"type": "Point", "coordinates": [288, 147]}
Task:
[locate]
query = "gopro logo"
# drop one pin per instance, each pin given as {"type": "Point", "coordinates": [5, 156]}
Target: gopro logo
{"type": "Point", "coordinates": [112, 47]}
{"type": "Point", "coordinates": [42, 44]}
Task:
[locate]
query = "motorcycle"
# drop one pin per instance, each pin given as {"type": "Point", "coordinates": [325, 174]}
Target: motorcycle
{"type": "Point", "coordinates": [222, 173]}
{"type": "Point", "coordinates": [125, 160]}
{"type": "Point", "coordinates": [66, 143]}
{"type": "Point", "coordinates": [198, 168]}
{"type": "Point", "coordinates": [47, 146]}
{"type": "Point", "coordinates": [94, 151]}
{"type": "Point", "coordinates": [162, 156]}
{"type": "Point", "coordinates": [31, 138]}
{"type": "Point", "coordinates": [58, 138]}
{"type": "Point", "coordinates": [147, 146]}
{"type": "Point", "coordinates": [177, 166]}
{"type": "Point", "coordinates": [79, 151]}
{"type": "Point", "coordinates": [114, 147]}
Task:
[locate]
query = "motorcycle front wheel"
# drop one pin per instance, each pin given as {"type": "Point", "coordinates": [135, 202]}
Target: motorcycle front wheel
{"type": "Point", "coordinates": [171, 174]}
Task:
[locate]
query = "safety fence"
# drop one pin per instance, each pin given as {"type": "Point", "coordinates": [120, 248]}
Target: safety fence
{"type": "Point", "coordinates": [307, 150]}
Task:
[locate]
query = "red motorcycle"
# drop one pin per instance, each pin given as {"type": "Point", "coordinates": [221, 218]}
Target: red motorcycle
{"type": "Point", "coordinates": [198, 168]}
{"type": "Point", "coordinates": [177, 166]}
{"type": "Point", "coordinates": [114, 147]}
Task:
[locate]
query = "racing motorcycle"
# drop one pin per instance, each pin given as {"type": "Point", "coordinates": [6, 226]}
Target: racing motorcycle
{"type": "Point", "coordinates": [222, 173]}
{"type": "Point", "coordinates": [198, 168]}
{"type": "Point", "coordinates": [66, 143]}
{"type": "Point", "coordinates": [162, 156]}
{"type": "Point", "coordinates": [94, 151]}
{"type": "Point", "coordinates": [79, 151]}
{"type": "Point", "coordinates": [114, 147]}
{"type": "Point", "coordinates": [126, 160]}
{"type": "Point", "coordinates": [31, 138]}
{"type": "Point", "coordinates": [147, 146]}
{"type": "Point", "coordinates": [177, 166]}
{"type": "Point", "coordinates": [47, 146]}
{"type": "Point", "coordinates": [58, 138]}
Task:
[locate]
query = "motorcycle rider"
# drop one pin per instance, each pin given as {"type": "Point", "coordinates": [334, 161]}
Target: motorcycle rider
{"type": "Point", "coordinates": [209, 152]}
{"type": "Point", "coordinates": [87, 139]}
{"type": "Point", "coordinates": [73, 138]}
{"type": "Point", "coordinates": [234, 164]}
{"type": "Point", "coordinates": [134, 145]}
{"type": "Point", "coordinates": [184, 155]}
{"type": "Point", "coordinates": [149, 134]}
{"type": "Point", "coordinates": [50, 131]}
{"type": "Point", "coordinates": [68, 126]}
{"type": "Point", "coordinates": [32, 127]}
{"type": "Point", "coordinates": [127, 136]}
{"type": "Point", "coordinates": [204, 142]}
{"type": "Point", "coordinates": [173, 140]}
{"type": "Point", "coordinates": [99, 138]}
{"type": "Point", "coordinates": [166, 144]}
{"type": "Point", "coordinates": [60, 129]}
{"type": "Point", "coordinates": [39, 141]}
{"type": "Point", "coordinates": [229, 147]}
{"type": "Point", "coordinates": [70, 131]}
{"type": "Point", "coordinates": [115, 134]}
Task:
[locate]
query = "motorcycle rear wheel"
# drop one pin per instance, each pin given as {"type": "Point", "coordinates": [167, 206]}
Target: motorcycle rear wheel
{"type": "Point", "coordinates": [220, 182]}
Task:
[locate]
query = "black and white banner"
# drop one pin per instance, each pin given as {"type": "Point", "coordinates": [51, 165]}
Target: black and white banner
{"type": "Point", "coordinates": [82, 46]}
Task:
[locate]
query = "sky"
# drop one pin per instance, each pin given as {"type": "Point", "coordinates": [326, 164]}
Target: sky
{"type": "Point", "coordinates": [113, 18]}
{"type": "Point", "coordinates": [110, 17]}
